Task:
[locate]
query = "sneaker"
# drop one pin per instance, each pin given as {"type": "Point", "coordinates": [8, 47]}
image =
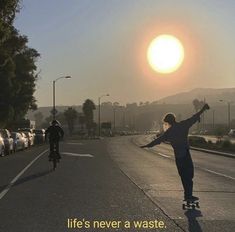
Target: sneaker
{"type": "Point", "coordinates": [192, 198]}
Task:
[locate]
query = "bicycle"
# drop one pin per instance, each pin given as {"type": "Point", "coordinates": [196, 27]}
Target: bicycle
{"type": "Point", "coordinates": [54, 157]}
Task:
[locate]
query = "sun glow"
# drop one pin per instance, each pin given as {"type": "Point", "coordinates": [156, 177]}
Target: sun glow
{"type": "Point", "coordinates": [165, 54]}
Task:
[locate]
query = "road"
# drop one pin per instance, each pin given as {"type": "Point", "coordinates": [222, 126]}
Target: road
{"type": "Point", "coordinates": [112, 181]}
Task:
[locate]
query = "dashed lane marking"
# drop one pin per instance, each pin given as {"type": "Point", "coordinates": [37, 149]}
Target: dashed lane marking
{"type": "Point", "coordinates": [161, 154]}
{"type": "Point", "coordinates": [79, 155]}
{"type": "Point", "coordinates": [74, 143]}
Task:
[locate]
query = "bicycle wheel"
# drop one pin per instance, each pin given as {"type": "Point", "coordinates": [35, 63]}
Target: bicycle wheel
{"type": "Point", "coordinates": [54, 163]}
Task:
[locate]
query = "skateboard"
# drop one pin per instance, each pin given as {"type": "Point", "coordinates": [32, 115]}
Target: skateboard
{"type": "Point", "coordinates": [189, 204]}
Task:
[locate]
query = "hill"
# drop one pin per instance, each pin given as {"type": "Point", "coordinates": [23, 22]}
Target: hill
{"type": "Point", "coordinates": [211, 95]}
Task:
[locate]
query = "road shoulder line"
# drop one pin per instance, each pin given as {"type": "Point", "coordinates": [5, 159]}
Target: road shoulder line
{"type": "Point", "coordinates": [4, 192]}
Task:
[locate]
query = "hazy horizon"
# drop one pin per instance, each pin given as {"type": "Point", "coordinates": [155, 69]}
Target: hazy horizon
{"type": "Point", "coordinates": [102, 45]}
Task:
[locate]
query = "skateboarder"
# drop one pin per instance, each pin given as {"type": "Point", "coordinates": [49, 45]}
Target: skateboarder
{"type": "Point", "coordinates": [177, 134]}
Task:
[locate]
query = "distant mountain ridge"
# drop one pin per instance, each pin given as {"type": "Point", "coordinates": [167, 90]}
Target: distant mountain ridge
{"type": "Point", "coordinates": [211, 95]}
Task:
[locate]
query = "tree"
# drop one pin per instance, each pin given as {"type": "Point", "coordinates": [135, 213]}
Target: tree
{"type": "Point", "coordinates": [17, 68]}
{"type": "Point", "coordinates": [70, 116]}
{"type": "Point", "coordinates": [38, 118]}
{"type": "Point", "coordinates": [197, 106]}
{"type": "Point", "coordinates": [60, 117]}
{"type": "Point", "coordinates": [82, 121]}
{"type": "Point", "coordinates": [88, 108]}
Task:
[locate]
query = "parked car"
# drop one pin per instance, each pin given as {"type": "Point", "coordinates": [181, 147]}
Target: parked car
{"type": "Point", "coordinates": [8, 141]}
{"type": "Point", "coordinates": [25, 130]}
{"type": "Point", "coordinates": [231, 133]}
{"type": "Point", "coordinates": [25, 139]}
{"type": "Point", "coordinates": [29, 133]}
{"type": "Point", "coordinates": [39, 135]}
{"type": "Point", "coordinates": [30, 137]}
{"type": "Point", "coordinates": [19, 141]}
{"type": "Point", "coordinates": [2, 147]}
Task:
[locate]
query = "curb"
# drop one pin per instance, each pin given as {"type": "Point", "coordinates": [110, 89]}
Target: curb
{"type": "Point", "coordinates": [213, 152]}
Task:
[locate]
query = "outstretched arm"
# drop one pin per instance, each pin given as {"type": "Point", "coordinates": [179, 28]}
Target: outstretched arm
{"type": "Point", "coordinates": [196, 117]}
{"type": "Point", "coordinates": [156, 141]}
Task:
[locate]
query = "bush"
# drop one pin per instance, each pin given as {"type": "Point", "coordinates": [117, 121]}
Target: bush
{"type": "Point", "coordinates": [226, 144]}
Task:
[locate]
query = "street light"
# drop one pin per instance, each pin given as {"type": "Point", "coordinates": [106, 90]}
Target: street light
{"type": "Point", "coordinates": [54, 81]}
{"type": "Point", "coordinates": [105, 95]}
{"type": "Point", "coordinates": [114, 119]}
{"type": "Point", "coordinates": [229, 112]}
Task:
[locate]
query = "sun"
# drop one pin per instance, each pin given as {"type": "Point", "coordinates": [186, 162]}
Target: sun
{"type": "Point", "coordinates": [165, 54]}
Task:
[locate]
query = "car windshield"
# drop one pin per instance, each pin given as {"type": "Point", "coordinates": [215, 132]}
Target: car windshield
{"type": "Point", "coordinates": [4, 134]}
{"type": "Point", "coordinates": [38, 131]}
{"type": "Point", "coordinates": [13, 135]}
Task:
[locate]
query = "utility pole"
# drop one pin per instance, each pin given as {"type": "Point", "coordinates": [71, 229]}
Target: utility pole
{"type": "Point", "coordinates": [114, 119]}
{"type": "Point", "coordinates": [53, 90]}
{"type": "Point", "coordinates": [213, 120]}
{"type": "Point", "coordinates": [105, 95]}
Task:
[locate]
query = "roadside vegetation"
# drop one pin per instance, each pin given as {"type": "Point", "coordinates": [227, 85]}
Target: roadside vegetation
{"type": "Point", "coordinates": [220, 145]}
{"type": "Point", "coordinates": [18, 70]}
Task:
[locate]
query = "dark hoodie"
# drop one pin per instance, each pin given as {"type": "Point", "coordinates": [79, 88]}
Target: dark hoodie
{"type": "Point", "coordinates": [177, 135]}
{"type": "Point", "coordinates": [55, 133]}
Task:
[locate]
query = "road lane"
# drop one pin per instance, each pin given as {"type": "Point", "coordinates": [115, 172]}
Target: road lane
{"type": "Point", "coordinates": [213, 163]}
{"type": "Point", "coordinates": [81, 187]}
{"type": "Point", "coordinates": [5, 191]}
{"type": "Point", "coordinates": [11, 165]}
{"type": "Point", "coordinates": [158, 177]}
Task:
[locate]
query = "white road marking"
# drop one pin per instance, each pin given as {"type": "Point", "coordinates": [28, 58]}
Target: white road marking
{"type": "Point", "coordinates": [4, 192]}
{"type": "Point", "coordinates": [75, 154]}
{"type": "Point", "coordinates": [218, 173]}
{"type": "Point", "coordinates": [205, 169]}
{"type": "Point", "coordinates": [75, 143]}
{"type": "Point", "coordinates": [167, 156]}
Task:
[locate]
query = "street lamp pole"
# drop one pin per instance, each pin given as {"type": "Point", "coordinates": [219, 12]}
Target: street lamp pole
{"type": "Point", "coordinates": [54, 81]}
{"type": "Point", "coordinates": [105, 95]}
{"type": "Point", "coordinates": [213, 120]}
{"type": "Point", "coordinates": [229, 112]}
{"type": "Point", "coordinates": [53, 112]}
{"type": "Point", "coordinates": [114, 119]}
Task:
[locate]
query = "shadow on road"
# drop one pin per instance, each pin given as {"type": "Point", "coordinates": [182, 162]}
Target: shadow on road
{"type": "Point", "coordinates": [193, 224]}
{"type": "Point", "coordinates": [32, 177]}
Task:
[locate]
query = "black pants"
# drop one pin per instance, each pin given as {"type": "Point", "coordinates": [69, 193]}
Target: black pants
{"type": "Point", "coordinates": [186, 172]}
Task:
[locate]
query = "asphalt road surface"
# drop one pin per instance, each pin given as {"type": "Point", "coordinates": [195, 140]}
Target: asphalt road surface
{"type": "Point", "coordinates": [110, 183]}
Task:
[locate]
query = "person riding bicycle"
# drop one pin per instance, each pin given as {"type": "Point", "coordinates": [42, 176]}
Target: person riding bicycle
{"type": "Point", "coordinates": [55, 133]}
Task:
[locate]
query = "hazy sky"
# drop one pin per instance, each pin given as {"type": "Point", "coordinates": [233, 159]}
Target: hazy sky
{"type": "Point", "coordinates": [102, 44]}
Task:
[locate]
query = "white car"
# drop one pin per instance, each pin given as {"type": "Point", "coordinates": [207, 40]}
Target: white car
{"type": "Point", "coordinates": [30, 137]}
{"type": "Point", "coordinates": [2, 147]}
{"type": "Point", "coordinates": [8, 141]}
{"type": "Point", "coordinates": [19, 141]}
{"type": "Point", "coordinates": [231, 133]}
{"type": "Point", "coordinates": [25, 139]}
